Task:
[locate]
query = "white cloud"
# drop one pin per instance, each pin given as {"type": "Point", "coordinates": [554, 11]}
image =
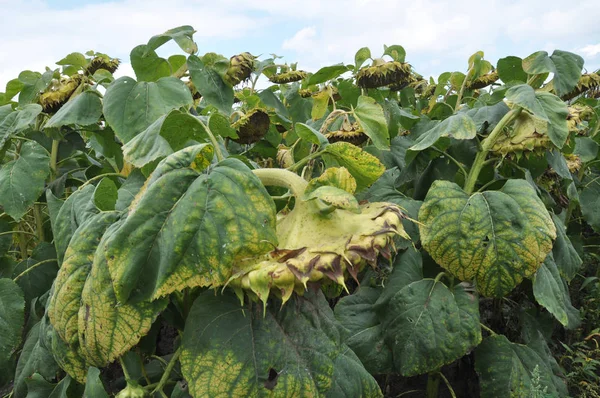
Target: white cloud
{"type": "Point", "coordinates": [315, 32]}
{"type": "Point", "coordinates": [590, 50]}
{"type": "Point", "coordinates": [303, 40]}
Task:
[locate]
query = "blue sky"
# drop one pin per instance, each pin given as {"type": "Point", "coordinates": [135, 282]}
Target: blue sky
{"type": "Point", "coordinates": [437, 35]}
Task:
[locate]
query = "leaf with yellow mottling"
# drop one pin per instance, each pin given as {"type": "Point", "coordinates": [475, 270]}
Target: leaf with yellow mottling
{"type": "Point", "coordinates": [496, 238]}
{"type": "Point", "coordinates": [187, 229]}
{"type": "Point", "coordinates": [364, 167]}
{"type": "Point", "coordinates": [234, 351]}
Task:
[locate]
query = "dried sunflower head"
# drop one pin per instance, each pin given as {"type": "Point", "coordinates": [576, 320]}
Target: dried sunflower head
{"type": "Point", "coordinates": [573, 162]}
{"type": "Point", "coordinates": [325, 238]}
{"type": "Point", "coordinates": [577, 114]}
{"type": "Point", "coordinates": [587, 82]}
{"type": "Point", "coordinates": [288, 77]}
{"type": "Point", "coordinates": [101, 62]}
{"type": "Point", "coordinates": [252, 126]}
{"type": "Point", "coordinates": [58, 94]}
{"type": "Point", "coordinates": [348, 132]}
{"type": "Point", "coordinates": [527, 135]}
{"type": "Point", "coordinates": [483, 81]}
{"type": "Point", "coordinates": [240, 68]}
{"type": "Point", "coordinates": [383, 73]}
{"type": "Point", "coordinates": [195, 94]}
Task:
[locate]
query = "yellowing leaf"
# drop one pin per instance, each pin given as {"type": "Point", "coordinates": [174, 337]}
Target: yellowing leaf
{"type": "Point", "coordinates": [495, 238]}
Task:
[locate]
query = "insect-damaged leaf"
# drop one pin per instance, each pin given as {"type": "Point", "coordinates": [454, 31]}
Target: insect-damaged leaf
{"type": "Point", "coordinates": [297, 351]}
{"type": "Point", "coordinates": [188, 228]}
{"type": "Point", "coordinates": [496, 238]}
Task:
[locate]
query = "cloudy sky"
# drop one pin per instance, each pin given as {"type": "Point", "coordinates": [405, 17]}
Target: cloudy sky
{"type": "Point", "coordinates": [438, 35]}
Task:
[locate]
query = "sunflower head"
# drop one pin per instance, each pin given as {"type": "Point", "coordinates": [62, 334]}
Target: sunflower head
{"type": "Point", "coordinates": [240, 68]}
{"type": "Point", "coordinates": [348, 132]}
{"type": "Point", "coordinates": [101, 62]}
{"type": "Point", "coordinates": [59, 93]}
{"type": "Point", "coordinates": [483, 81]}
{"type": "Point", "coordinates": [251, 127]}
{"type": "Point", "coordinates": [382, 73]}
{"type": "Point", "coordinates": [288, 77]}
{"type": "Point", "coordinates": [527, 135]}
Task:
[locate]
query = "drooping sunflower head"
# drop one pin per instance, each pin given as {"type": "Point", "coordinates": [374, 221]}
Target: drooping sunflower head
{"type": "Point", "coordinates": [326, 238]}
{"type": "Point", "coordinates": [382, 73]}
{"type": "Point", "coordinates": [59, 93]}
{"type": "Point", "coordinates": [587, 82]}
{"type": "Point", "coordinates": [578, 113]}
{"type": "Point", "coordinates": [528, 135]}
{"type": "Point", "coordinates": [348, 132]}
{"type": "Point", "coordinates": [251, 127]}
{"type": "Point", "coordinates": [483, 81]}
{"type": "Point", "coordinates": [288, 77]}
{"type": "Point", "coordinates": [101, 62]}
{"type": "Point", "coordinates": [240, 68]}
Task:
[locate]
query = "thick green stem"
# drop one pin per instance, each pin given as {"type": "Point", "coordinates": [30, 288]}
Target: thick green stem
{"type": "Point", "coordinates": [462, 90]}
{"type": "Point", "coordinates": [486, 146]}
{"type": "Point", "coordinates": [165, 377]}
{"type": "Point", "coordinates": [54, 158]}
{"type": "Point", "coordinates": [305, 160]}
{"type": "Point", "coordinates": [98, 177]}
{"type": "Point", "coordinates": [433, 384]}
{"type": "Point", "coordinates": [39, 222]}
{"type": "Point", "coordinates": [282, 178]}
{"type": "Point", "coordinates": [213, 141]}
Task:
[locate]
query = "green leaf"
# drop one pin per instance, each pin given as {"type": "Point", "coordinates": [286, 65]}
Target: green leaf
{"type": "Point", "coordinates": [105, 195]}
{"type": "Point", "coordinates": [38, 387]}
{"type": "Point", "coordinates": [369, 114]}
{"type": "Point", "coordinates": [557, 161]}
{"type": "Point", "coordinates": [505, 369]}
{"type": "Point", "coordinates": [360, 57]}
{"type": "Point", "coordinates": [487, 117]}
{"type": "Point", "coordinates": [129, 189]}
{"type": "Point", "coordinates": [586, 148]}
{"type": "Point", "coordinates": [182, 35]}
{"type": "Point", "coordinates": [326, 73]}
{"type": "Point", "coordinates": [13, 87]}
{"type": "Point", "coordinates": [334, 198]}
{"type": "Point", "coordinates": [219, 125]}
{"type": "Point", "coordinates": [364, 167]}
{"type": "Point", "coordinates": [75, 59]}
{"type": "Point", "coordinates": [93, 384]}
{"type": "Point", "coordinates": [34, 358]}
{"type": "Point", "coordinates": [271, 100]}
{"type": "Point", "coordinates": [18, 121]}
{"type": "Point", "coordinates": [210, 84]}
{"type": "Point", "coordinates": [588, 199]}
{"type": "Point", "coordinates": [83, 110]}
{"type": "Point", "coordinates": [524, 96]}
{"type": "Point", "coordinates": [147, 65]}
{"type": "Point", "coordinates": [23, 179]}
{"type": "Point", "coordinates": [169, 133]}
{"type": "Point", "coordinates": [428, 325]}
{"type": "Point", "coordinates": [566, 67]}
{"type": "Point", "coordinates": [395, 51]}
{"type": "Point", "coordinates": [459, 126]}
{"type": "Point", "coordinates": [38, 278]}
{"type": "Point", "coordinates": [296, 351]}
{"type": "Point", "coordinates": [311, 135]}
{"type": "Point", "coordinates": [552, 293]}
{"type": "Point", "coordinates": [320, 104]}
{"type": "Point", "coordinates": [229, 215]}
{"type": "Point", "coordinates": [12, 318]}
{"type": "Point", "coordinates": [130, 107]}
{"type": "Point", "coordinates": [510, 69]}
{"type": "Point", "coordinates": [33, 84]}
{"type": "Point", "coordinates": [557, 112]}
{"type": "Point", "coordinates": [566, 256]}
{"type": "Point", "coordinates": [496, 238]}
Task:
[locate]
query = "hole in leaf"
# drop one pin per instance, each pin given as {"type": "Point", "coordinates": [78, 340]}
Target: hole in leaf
{"type": "Point", "coordinates": [272, 380]}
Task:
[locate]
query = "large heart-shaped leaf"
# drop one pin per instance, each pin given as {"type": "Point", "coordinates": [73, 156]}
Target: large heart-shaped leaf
{"type": "Point", "coordinates": [147, 65]}
{"type": "Point", "coordinates": [565, 65]}
{"type": "Point", "coordinates": [210, 84]}
{"type": "Point", "coordinates": [83, 110]}
{"type": "Point", "coordinates": [496, 238]}
{"type": "Point", "coordinates": [22, 180]}
{"type": "Point", "coordinates": [130, 106]}
{"type": "Point", "coordinates": [506, 370]}
{"type": "Point", "coordinates": [552, 292]}
{"type": "Point", "coordinates": [459, 126]}
{"type": "Point", "coordinates": [428, 325]}
{"type": "Point", "coordinates": [296, 351]}
{"type": "Point", "coordinates": [188, 228]}
{"type": "Point", "coordinates": [18, 120]}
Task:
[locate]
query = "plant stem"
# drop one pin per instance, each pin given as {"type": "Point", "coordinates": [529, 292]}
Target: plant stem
{"type": "Point", "coordinates": [125, 371]}
{"type": "Point", "coordinates": [19, 232]}
{"type": "Point", "coordinates": [305, 160]}
{"type": "Point", "coordinates": [282, 178]}
{"type": "Point", "coordinates": [462, 90]}
{"type": "Point", "coordinates": [51, 260]}
{"type": "Point", "coordinates": [102, 176]}
{"type": "Point", "coordinates": [213, 141]}
{"type": "Point", "coordinates": [433, 383]}
{"type": "Point", "coordinates": [167, 372]}
{"type": "Point", "coordinates": [456, 162]}
{"type": "Point", "coordinates": [39, 222]}
{"type": "Point", "coordinates": [486, 146]}
{"type": "Point", "coordinates": [448, 384]}
{"type": "Point", "coordinates": [488, 329]}
{"type": "Point", "coordinates": [54, 158]}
